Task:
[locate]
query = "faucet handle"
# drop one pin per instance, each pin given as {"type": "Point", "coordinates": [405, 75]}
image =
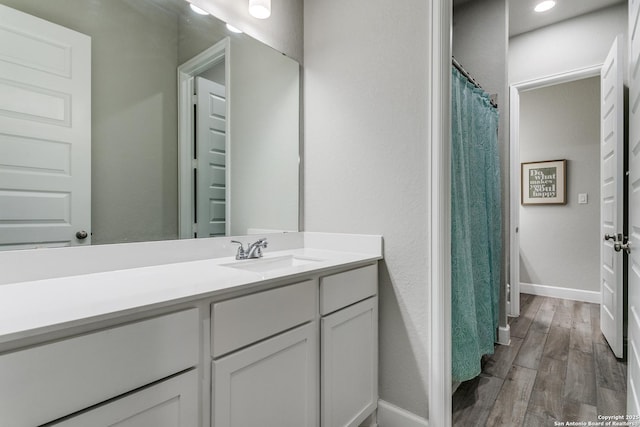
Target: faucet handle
{"type": "Point", "coordinates": [240, 254]}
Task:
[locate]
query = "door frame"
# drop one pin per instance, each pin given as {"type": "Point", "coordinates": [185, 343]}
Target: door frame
{"type": "Point", "coordinates": [513, 304]}
{"type": "Point", "coordinates": [186, 132]}
{"type": "Point", "coordinates": [438, 161]}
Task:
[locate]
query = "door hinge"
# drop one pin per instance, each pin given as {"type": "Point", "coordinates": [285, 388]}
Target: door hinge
{"type": "Point", "coordinates": [194, 99]}
{"type": "Point", "coordinates": [194, 163]}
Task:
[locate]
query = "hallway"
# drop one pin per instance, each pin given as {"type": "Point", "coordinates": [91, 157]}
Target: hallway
{"type": "Point", "coordinates": [557, 368]}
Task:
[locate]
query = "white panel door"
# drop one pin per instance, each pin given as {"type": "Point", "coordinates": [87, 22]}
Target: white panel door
{"type": "Point", "coordinates": [349, 365]}
{"type": "Point", "coordinates": [633, 333]}
{"type": "Point", "coordinates": [45, 133]}
{"type": "Point", "coordinates": [270, 384]}
{"type": "Point", "coordinates": [211, 152]}
{"type": "Point", "coordinates": [612, 196]}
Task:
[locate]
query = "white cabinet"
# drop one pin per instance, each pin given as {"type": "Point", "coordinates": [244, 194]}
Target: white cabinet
{"type": "Point", "coordinates": [72, 374]}
{"type": "Point", "coordinates": [294, 355]}
{"type": "Point", "coordinates": [349, 347]}
{"type": "Point", "coordinates": [170, 403]}
{"type": "Point", "coordinates": [265, 350]}
{"type": "Point", "coordinates": [270, 384]}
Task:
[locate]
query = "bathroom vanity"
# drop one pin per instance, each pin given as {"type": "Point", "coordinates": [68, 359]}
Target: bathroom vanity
{"type": "Point", "coordinates": [289, 339]}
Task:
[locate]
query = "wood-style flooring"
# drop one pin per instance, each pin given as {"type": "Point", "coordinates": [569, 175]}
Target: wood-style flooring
{"type": "Point", "coordinates": [557, 368]}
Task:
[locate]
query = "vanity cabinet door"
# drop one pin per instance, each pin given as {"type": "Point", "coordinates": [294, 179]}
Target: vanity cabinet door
{"type": "Point", "coordinates": [273, 383]}
{"type": "Point", "coordinates": [349, 364]}
{"type": "Point", "coordinates": [170, 403]}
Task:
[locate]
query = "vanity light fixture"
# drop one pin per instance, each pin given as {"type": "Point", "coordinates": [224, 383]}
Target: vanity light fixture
{"type": "Point", "coordinates": [260, 9]}
{"type": "Point", "coordinates": [544, 6]}
{"type": "Point", "coordinates": [233, 29]}
{"type": "Point", "coordinates": [197, 10]}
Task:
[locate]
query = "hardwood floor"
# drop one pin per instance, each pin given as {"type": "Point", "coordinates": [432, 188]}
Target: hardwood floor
{"type": "Point", "coordinates": [557, 368]}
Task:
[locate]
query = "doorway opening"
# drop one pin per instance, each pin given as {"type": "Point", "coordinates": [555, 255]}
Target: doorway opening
{"type": "Point", "coordinates": [513, 305]}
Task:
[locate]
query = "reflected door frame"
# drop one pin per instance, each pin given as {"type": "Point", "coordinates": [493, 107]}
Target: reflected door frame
{"type": "Point", "coordinates": [186, 132]}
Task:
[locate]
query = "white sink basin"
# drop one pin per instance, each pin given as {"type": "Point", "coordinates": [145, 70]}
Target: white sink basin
{"type": "Point", "coordinates": [266, 265]}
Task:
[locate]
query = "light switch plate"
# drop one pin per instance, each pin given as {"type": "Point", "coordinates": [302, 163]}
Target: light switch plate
{"type": "Point", "coordinates": [583, 198]}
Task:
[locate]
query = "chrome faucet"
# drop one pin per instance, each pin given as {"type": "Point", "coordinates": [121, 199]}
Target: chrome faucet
{"type": "Point", "coordinates": [254, 250]}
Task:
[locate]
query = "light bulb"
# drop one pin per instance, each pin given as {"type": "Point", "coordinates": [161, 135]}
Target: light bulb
{"type": "Point", "coordinates": [260, 9]}
{"type": "Point", "coordinates": [197, 10]}
{"type": "Point", "coordinates": [545, 5]}
{"type": "Point", "coordinates": [233, 29]}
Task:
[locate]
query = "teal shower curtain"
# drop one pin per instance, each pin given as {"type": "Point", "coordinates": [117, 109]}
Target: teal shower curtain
{"type": "Point", "coordinates": [476, 227]}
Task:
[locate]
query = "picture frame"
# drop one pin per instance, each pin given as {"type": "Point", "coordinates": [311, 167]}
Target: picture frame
{"type": "Point", "coordinates": [544, 182]}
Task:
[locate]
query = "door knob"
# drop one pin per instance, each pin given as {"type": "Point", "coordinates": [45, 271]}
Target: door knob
{"type": "Point", "coordinates": [619, 246]}
{"type": "Point", "coordinates": [611, 237]}
{"type": "Point", "coordinates": [81, 235]}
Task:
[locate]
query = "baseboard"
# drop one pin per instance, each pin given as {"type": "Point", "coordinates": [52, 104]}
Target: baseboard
{"type": "Point", "coordinates": [371, 421]}
{"type": "Point", "coordinates": [504, 335]}
{"type": "Point", "coordinates": [392, 416]}
{"type": "Point", "coordinates": [557, 292]}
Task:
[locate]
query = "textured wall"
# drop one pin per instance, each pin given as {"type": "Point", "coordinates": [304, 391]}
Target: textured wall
{"type": "Point", "coordinates": [365, 162]}
{"type": "Point", "coordinates": [560, 245]}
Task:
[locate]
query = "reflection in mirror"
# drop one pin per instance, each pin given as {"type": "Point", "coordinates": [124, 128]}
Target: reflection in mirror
{"type": "Point", "coordinates": [144, 185]}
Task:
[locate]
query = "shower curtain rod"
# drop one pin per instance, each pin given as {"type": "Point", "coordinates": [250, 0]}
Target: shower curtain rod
{"type": "Point", "coordinates": [465, 73]}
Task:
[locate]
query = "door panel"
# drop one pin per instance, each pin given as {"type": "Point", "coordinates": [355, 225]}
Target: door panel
{"type": "Point", "coordinates": [45, 133]}
{"type": "Point", "coordinates": [633, 333]}
{"type": "Point", "coordinates": [272, 383]}
{"type": "Point", "coordinates": [612, 196]}
{"type": "Point", "coordinates": [211, 141]}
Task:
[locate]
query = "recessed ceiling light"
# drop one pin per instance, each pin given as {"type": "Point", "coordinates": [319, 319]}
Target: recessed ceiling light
{"type": "Point", "coordinates": [233, 29]}
{"type": "Point", "coordinates": [197, 10]}
{"type": "Point", "coordinates": [545, 5]}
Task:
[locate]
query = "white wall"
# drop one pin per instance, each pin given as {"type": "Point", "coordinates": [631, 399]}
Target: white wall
{"type": "Point", "coordinates": [365, 162]}
{"type": "Point", "coordinates": [479, 43]}
{"type": "Point", "coordinates": [570, 45]}
{"type": "Point", "coordinates": [264, 139]}
{"type": "Point", "coordinates": [560, 245]}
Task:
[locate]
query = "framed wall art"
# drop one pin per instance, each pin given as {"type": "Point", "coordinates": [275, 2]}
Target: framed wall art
{"type": "Point", "coordinates": [543, 183]}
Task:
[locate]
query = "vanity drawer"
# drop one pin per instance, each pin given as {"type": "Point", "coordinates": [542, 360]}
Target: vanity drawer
{"type": "Point", "coordinates": [54, 380]}
{"type": "Point", "coordinates": [238, 322]}
{"type": "Point", "coordinates": [343, 289]}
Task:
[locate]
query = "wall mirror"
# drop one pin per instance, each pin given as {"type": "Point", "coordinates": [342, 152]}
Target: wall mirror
{"type": "Point", "coordinates": [210, 153]}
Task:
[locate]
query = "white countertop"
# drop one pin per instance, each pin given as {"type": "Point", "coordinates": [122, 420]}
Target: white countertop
{"type": "Point", "coordinates": [36, 307]}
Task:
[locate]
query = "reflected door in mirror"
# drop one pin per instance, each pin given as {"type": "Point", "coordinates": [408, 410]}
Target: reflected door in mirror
{"type": "Point", "coordinates": [45, 133]}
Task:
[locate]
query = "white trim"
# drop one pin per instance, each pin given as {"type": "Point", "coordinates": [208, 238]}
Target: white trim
{"type": "Point", "coordinates": [439, 215]}
{"type": "Point", "coordinates": [392, 416]}
{"type": "Point", "coordinates": [371, 421]}
{"type": "Point", "coordinates": [554, 79]}
{"type": "Point", "coordinates": [186, 74]}
{"type": "Point", "coordinates": [513, 304]}
{"type": "Point", "coordinates": [514, 162]}
{"type": "Point", "coordinates": [504, 335]}
{"type": "Point", "coordinates": [559, 292]}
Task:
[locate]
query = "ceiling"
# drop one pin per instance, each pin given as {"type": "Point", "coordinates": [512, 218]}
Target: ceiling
{"type": "Point", "coordinates": [522, 18]}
